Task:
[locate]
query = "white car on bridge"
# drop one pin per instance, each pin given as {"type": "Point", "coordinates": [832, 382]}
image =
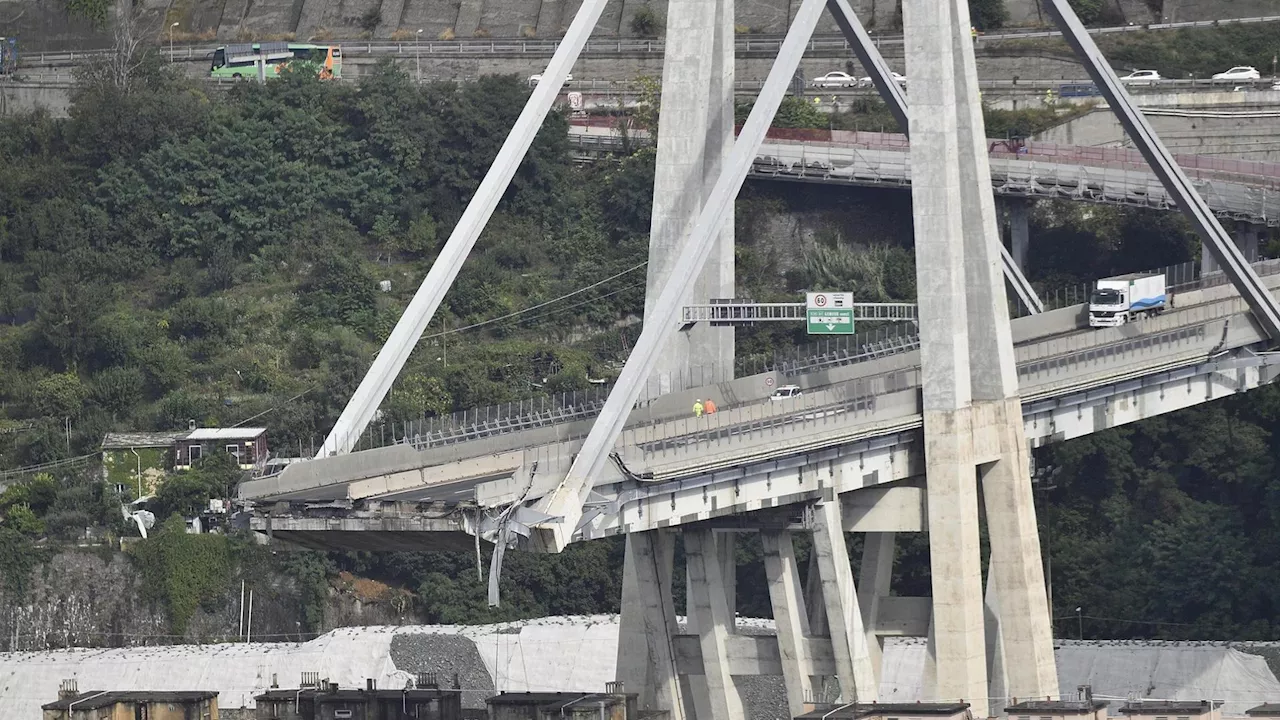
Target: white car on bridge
{"type": "Point", "coordinates": [866, 81]}
{"type": "Point", "coordinates": [1239, 72]}
{"type": "Point", "coordinates": [786, 392]}
{"type": "Point", "coordinates": [1142, 76]}
{"type": "Point", "coordinates": [535, 79]}
{"type": "Point", "coordinates": [834, 80]}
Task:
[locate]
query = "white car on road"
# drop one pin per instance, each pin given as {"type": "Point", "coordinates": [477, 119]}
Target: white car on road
{"type": "Point", "coordinates": [834, 80]}
{"type": "Point", "coordinates": [1239, 72]}
{"type": "Point", "coordinates": [535, 79]}
{"type": "Point", "coordinates": [866, 81]}
{"type": "Point", "coordinates": [786, 392]}
{"type": "Point", "coordinates": [1141, 76]}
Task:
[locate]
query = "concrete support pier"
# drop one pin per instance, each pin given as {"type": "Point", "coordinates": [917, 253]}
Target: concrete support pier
{"type": "Point", "coordinates": [695, 135]}
{"type": "Point", "coordinates": [1018, 211]}
{"type": "Point", "coordinates": [957, 631]}
{"type": "Point", "coordinates": [1246, 237]}
{"type": "Point", "coordinates": [712, 619]}
{"type": "Point", "coordinates": [972, 414]}
{"type": "Point", "coordinates": [646, 653]}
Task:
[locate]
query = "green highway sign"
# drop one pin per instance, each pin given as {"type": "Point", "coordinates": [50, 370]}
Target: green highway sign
{"type": "Point", "coordinates": [833, 321]}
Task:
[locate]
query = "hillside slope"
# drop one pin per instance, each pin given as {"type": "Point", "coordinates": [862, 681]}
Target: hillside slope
{"type": "Point", "coordinates": [45, 25]}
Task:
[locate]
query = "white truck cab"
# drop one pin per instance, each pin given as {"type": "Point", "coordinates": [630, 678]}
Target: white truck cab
{"type": "Point", "coordinates": [1116, 301]}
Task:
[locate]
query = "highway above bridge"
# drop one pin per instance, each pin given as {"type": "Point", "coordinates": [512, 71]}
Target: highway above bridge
{"type": "Point", "coordinates": [856, 426]}
{"type": "Point", "coordinates": [1239, 190]}
{"type": "Point", "coordinates": [765, 44]}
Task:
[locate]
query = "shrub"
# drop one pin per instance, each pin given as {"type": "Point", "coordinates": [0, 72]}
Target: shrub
{"type": "Point", "coordinates": [647, 22]}
{"type": "Point", "coordinates": [988, 14]}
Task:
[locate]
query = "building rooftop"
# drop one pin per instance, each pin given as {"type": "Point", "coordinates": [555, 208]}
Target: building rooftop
{"type": "Point", "coordinates": [94, 699]}
{"type": "Point", "coordinates": [355, 694]}
{"type": "Point", "coordinates": [1062, 707]}
{"type": "Point", "coordinates": [126, 440]}
{"type": "Point", "coordinates": [861, 710]}
{"type": "Point", "coordinates": [1264, 710]}
{"type": "Point", "coordinates": [247, 433]}
{"type": "Point", "coordinates": [1171, 707]}
{"type": "Point", "coordinates": [547, 698]}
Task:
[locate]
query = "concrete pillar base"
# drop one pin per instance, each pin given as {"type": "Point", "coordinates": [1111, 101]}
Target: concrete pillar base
{"type": "Point", "coordinates": [646, 660]}
{"type": "Point", "coordinates": [959, 641]}
{"type": "Point", "coordinates": [1017, 576]}
{"type": "Point", "coordinates": [709, 612]}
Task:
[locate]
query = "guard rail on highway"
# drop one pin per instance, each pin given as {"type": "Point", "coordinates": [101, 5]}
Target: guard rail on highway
{"type": "Point", "coordinates": [479, 423]}
{"type": "Point", "coordinates": [697, 439]}
{"type": "Point", "coordinates": [526, 46]}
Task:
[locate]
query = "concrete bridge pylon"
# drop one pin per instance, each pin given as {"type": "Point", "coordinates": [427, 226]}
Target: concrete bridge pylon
{"type": "Point", "coordinates": [973, 428]}
{"type": "Point", "coordinates": [695, 135]}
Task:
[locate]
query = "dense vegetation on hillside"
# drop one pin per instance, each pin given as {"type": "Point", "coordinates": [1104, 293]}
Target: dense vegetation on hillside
{"type": "Point", "coordinates": [1176, 54]}
{"type": "Point", "coordinates": [167, 254]}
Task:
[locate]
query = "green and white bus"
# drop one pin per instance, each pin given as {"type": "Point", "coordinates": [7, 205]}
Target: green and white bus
{"type": "Point", "coordinates": [241, 61]}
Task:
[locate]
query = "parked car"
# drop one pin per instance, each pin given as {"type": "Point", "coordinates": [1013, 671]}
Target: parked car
{"type": "Point", "coordinates": [1239, 72]}
{"type": "Point", "coordinates": [866, 81]}
{"type": "Point", "coordinates": [1142, 76]}
{"type": "Point", "coordinates": [785, 392]}
{"type": "Point", "coordinates": [535, 79]}
{"type": "Point", "coordinates": [1078, 90]}
{"type": "Point", "coordinates": [835, 79]}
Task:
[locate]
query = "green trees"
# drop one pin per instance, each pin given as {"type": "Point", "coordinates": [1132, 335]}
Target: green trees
{"type": "Point", "coordinates": [183, 571]}
{"type": "Point", "coordinates": [988, 14]}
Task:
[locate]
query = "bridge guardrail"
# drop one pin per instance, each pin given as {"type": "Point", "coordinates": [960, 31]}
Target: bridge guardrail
{"type": "Point", "coordinates": [821, 409]}
{"type": "Point", "coordinates": [479, 423]}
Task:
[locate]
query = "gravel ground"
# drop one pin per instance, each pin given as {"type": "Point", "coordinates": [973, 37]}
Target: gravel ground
{"type": "Point", "coordinates": [445, 655]}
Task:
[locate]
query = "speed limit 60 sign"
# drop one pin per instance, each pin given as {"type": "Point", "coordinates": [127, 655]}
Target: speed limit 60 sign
{"type": "Point", "coordinates": [828, 300]}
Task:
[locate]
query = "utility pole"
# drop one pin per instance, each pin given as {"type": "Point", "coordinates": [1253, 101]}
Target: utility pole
{"type": "Point", "coordinates": [417, 54]}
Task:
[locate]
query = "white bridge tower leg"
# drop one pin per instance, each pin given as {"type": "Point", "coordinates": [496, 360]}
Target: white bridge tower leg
{"type": "Point", "coordinates": [695, 135]}
{"type": "Point", "coordinates": [972, 414]}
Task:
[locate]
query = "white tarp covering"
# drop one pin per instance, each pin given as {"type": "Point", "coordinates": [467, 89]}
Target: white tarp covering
{"type": "Point", "coordinates": [579, 654]}
{"type": "Point", "coordinates": [1169, 671]}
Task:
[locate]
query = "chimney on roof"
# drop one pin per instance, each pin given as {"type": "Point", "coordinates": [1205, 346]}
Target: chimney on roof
{"type": "Point", "coordinates": [370, 684]}
{"type": "Point", "coordinates": [68, 689]}
{"type": "Point", "coordinates": [191, 424]}
{"type": "Point", "coordinates": [1086, 694]}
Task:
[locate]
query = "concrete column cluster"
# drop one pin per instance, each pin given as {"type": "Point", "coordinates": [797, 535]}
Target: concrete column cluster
{"type": "Point", "coordinates": [658, 661]}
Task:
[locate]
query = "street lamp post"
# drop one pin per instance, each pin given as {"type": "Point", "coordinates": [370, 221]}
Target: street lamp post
{"type": "Point", "coordinates": [1080, 619]}
{"type": "Point", "coordinates": [417, 55]}
{"type": "Point", "coordinates": [171, 28]}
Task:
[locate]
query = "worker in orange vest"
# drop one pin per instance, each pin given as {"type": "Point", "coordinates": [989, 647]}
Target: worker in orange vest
{"type": "Point", "coordinates": [709, 406]}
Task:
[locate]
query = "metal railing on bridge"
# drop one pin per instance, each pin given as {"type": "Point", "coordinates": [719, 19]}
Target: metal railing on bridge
{"type": "Point", "coordinates": [753, 425]}
{"type": "Point", "coordinates": [478, 423]}
{"type": "Point", "coordinates": [770, 312]}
